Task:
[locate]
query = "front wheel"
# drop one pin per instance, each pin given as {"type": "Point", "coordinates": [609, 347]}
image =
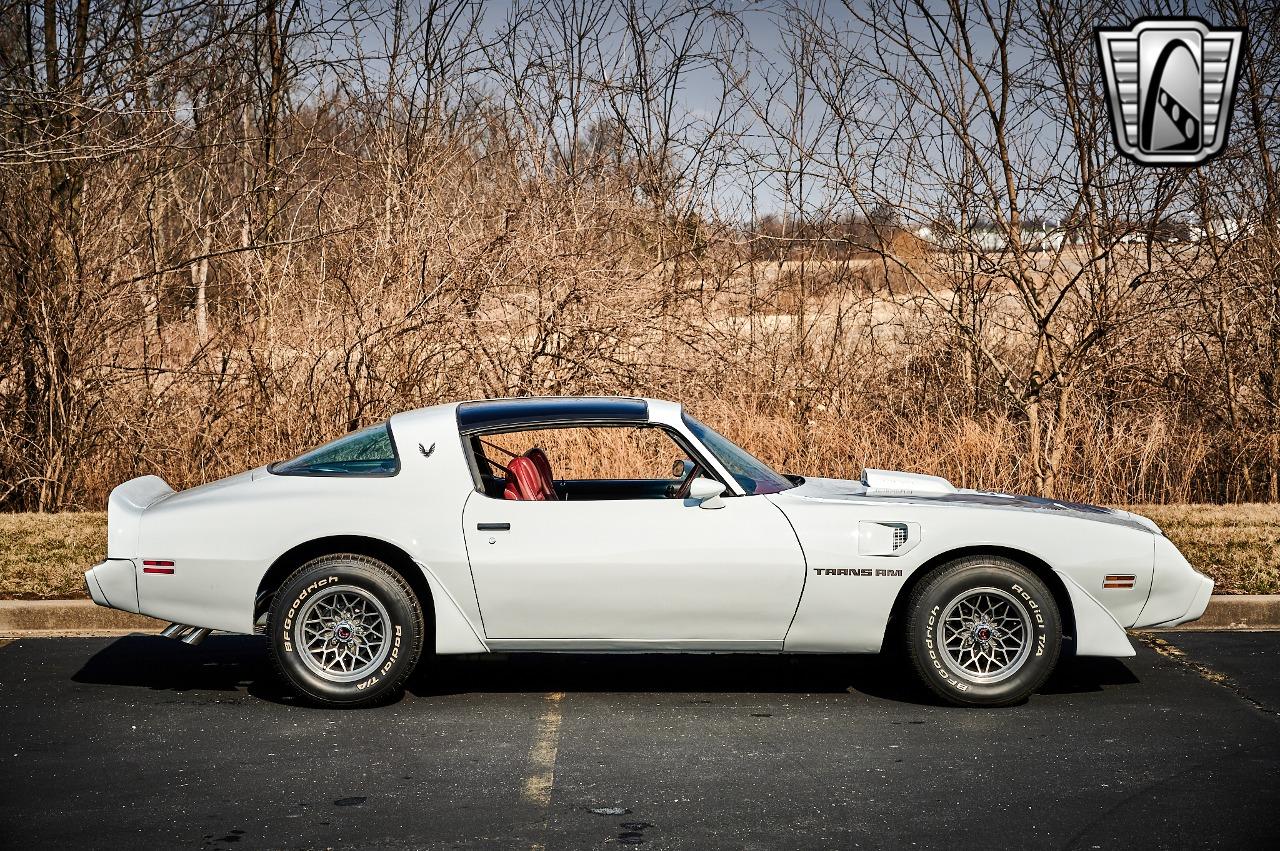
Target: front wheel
{"type": "Point", "coordinates": [346, 630]}
{"type": "Point", "coordinates": [983, 631]}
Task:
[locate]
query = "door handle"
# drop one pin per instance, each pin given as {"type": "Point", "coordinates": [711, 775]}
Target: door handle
{"type": "Point", "coordinates": [494, 527]}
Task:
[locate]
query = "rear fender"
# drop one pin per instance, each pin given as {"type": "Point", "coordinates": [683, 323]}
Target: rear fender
{"type": "Point", "coordinates": [124, 513]}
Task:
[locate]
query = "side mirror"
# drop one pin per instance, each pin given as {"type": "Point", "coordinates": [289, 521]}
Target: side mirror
{"type": "Point", "coordinates": [707, 492]}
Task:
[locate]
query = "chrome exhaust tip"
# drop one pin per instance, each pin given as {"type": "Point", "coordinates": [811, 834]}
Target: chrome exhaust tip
{"type": "Point", "coordinates": [195, 636]}
{"type": "Point", "coordinates": [189, 635]}
{"type": "Point", "coordinates": [173, 630]}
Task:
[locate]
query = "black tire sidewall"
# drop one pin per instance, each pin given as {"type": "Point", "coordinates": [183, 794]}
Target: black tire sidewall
{"type": "Point", "coordinates": [936, 592]}
{"type": "Point", "coordinates": [404, 630]}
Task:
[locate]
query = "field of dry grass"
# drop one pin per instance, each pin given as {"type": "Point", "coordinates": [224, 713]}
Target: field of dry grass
{"type": "Point", "coordinates": [1237, 545]}
{"type": "Point", "coordinates": [43, 556]}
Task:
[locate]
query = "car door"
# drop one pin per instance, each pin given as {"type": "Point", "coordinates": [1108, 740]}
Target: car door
{"type": "Point", "coordinates": [634, 572]}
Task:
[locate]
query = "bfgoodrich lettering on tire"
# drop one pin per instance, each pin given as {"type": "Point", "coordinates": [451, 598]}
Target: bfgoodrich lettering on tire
{"type": "Point", "coordinates": [983, 631]}
{"type": "Point", "coordinates": [346, 630]}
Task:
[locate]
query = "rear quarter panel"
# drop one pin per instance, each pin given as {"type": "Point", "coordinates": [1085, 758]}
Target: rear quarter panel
{"type": "Point", "coordinates": [223, 540]}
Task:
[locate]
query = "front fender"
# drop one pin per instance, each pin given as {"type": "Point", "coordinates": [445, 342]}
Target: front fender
{"type": "Point", "coordinates": [1098, 633]}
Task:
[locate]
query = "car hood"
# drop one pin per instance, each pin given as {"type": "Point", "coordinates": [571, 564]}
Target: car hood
{"type": "Point", "coordinates": [858, 492]}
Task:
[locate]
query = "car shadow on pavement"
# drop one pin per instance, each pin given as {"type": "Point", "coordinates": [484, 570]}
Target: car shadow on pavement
{"type": "Point", "coordinates": [231, 663]}
{"type": "Point", "coordinates": [659, 672]}
{"type": "Point", "coordinates": [222, 663]}
{"type": "Point", "coordinates": [1088, 674]}
{"type": "Point", "coordinates": [883, 677]}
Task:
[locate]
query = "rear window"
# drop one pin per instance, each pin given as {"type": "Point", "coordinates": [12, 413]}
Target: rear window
{"type": "Point", "coordinates": [368, 452]}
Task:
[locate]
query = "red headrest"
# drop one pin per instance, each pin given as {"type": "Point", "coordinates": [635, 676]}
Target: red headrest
{"type": "Point", "coordinates": [523, 482]}
{"type": "Point", "coordinates": [539, 459]}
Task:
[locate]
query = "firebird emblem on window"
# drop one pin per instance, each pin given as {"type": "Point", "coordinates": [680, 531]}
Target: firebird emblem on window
{"type": "Point", "coordinates": [1170, 84]}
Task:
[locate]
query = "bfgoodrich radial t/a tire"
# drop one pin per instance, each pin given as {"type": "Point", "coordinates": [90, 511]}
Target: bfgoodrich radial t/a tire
{"type": "Point", "coordinates": [346, 630]}
{"type": "Point", "coordinates": [983, 631]}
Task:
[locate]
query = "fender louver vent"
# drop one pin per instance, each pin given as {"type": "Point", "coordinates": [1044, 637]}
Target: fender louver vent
{"type": "Point", "coordinates": [886, 538]}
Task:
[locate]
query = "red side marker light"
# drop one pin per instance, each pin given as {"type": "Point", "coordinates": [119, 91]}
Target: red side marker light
{"type": "Point", "coordinates": [149, 566]}
{"type": "Point", "coordinates": [1118, 580]}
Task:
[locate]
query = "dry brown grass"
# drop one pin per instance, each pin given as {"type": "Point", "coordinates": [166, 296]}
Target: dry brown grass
{"type": "Point", "coordinates": [44, 556]}
{"type": "Point", "coordinates": [1237, 545]}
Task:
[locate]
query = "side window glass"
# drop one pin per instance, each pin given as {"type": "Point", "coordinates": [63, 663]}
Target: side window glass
{"type": "Point", "coordinates": [368, 452]}
{"type": "Point", "coordinates": [582, 463]}
{"type": "Point", "coordinates": [592, 453]}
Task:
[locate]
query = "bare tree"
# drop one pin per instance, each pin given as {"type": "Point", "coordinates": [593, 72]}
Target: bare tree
{"type": "Point", "coordinates": [891, 233]}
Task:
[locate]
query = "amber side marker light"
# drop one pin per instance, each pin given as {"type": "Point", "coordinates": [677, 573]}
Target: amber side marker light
{"type": "Point", "coordinates": [149, 566]}
{"type": "Point", "coordinates": [1118, 580]}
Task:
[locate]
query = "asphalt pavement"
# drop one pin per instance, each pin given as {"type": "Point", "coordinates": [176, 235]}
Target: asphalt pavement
{"type": "Point", "coordinates": [144, 742]}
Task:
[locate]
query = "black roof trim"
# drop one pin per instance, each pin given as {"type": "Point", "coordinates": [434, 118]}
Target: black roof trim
{"type": "Point", "coordinates": [536, 411]}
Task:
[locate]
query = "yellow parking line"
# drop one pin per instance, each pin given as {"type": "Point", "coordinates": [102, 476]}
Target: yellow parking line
{"type": "Point", "coordinates": [541, 773]}
{"type": "Point", "coordinates": [542, 754]}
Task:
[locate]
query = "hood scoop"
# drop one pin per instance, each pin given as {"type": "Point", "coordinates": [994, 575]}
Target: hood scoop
{"type": "Point", "coordinates": [893, 483]}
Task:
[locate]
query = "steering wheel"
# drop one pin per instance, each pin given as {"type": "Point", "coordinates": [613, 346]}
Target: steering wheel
{"type": "Point", "coordinates": [681, 491]}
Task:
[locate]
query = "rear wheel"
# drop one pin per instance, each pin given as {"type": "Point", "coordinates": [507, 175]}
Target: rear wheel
{"type": "Point", "coordinates": [346, 630]}
{"type": "Point", "coordinates": [983, 631]}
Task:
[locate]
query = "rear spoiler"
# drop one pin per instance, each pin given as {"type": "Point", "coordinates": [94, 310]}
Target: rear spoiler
{"type": "Point", "coordinates": [124, 513]}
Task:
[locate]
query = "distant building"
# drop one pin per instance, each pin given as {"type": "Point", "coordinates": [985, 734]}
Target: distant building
{"type": "Point", "coordinates": [989, 237]}
{"type": "Point", "coordinates": [1222, 229]}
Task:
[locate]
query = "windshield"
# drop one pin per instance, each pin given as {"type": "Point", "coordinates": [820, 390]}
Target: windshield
{"type": "Point", "coordinates": [368, 452]}
{"type": "Point", "coordinates": [747, 470]}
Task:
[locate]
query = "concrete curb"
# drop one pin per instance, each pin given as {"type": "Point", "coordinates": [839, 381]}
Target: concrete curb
{"type": "Point", "coordinates": [52, 618]}
{"type": "Point", "coordinates": [1237, 611]}
{"type": "Point", "coordinates": [36, 618]}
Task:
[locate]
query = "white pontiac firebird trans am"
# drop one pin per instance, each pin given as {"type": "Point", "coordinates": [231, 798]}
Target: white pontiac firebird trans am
{"type": "Point", "coordinates": [427, 534]}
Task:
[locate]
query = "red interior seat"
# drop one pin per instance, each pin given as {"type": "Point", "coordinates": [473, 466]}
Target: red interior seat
{"type": "Point", "coordinates": [524, 482]}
